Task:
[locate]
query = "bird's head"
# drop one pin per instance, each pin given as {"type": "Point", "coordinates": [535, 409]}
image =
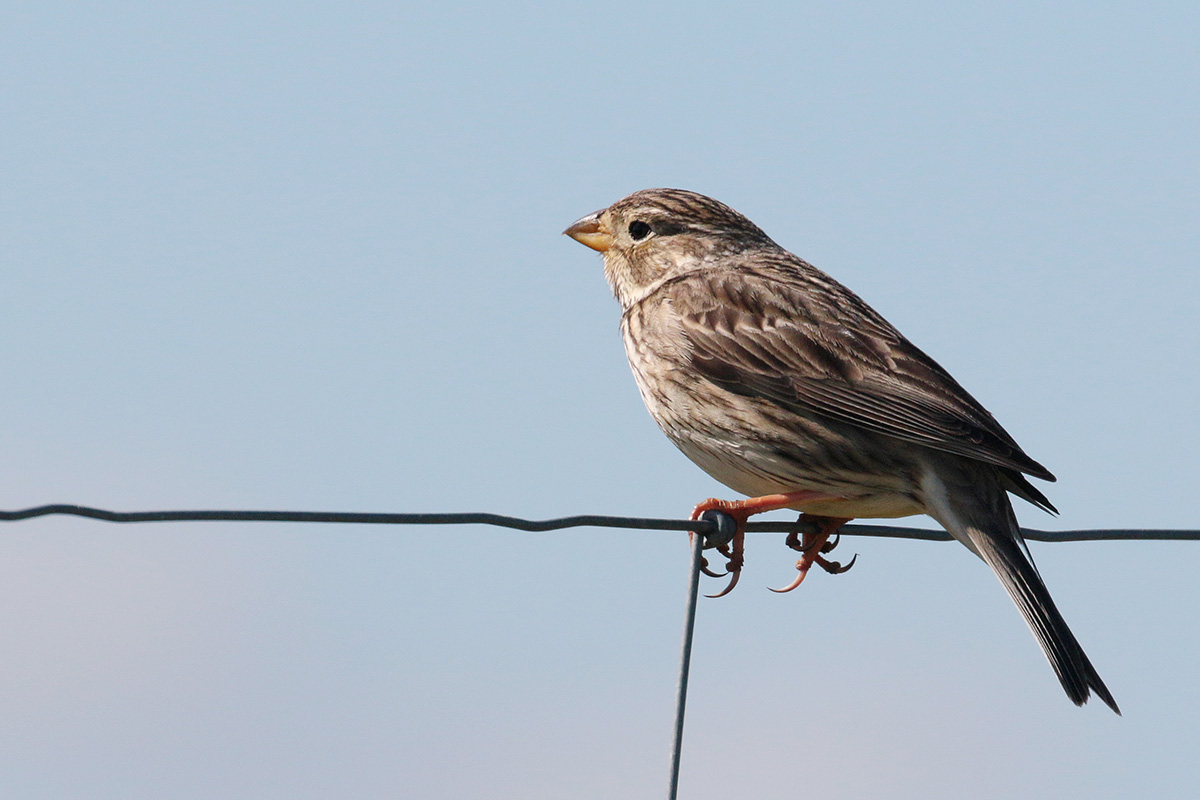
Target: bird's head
{"type": "Point", "coordinates": [656, 234]}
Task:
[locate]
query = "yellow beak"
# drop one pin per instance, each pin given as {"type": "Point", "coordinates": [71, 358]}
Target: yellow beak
{"type": "Point", "coordinates": [591, 231]}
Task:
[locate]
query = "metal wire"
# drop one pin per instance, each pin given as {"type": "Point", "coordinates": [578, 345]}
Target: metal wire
{"type": "Point", "coordinates": [725, 530]}
{"type": "Point", "coordinates": [685, 662]}
{"type": "Point", "coordinates": [702, 526]}
{"type": "Point", "coordinates": [709, 530]}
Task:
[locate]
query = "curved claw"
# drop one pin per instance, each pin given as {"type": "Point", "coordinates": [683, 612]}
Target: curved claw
{"type": "Point", "coordinates": [834, 568]}
{"type": "Point", "coordinates": [732, 583]}
{"type": "Point", "coordinates": [799, 580]}
{"type": "Point", "coordinates": [704, 568]}
{"type": "Point", "coordinates": [834, 542]}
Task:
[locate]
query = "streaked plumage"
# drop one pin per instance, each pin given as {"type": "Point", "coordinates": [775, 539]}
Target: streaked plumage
{"type": "Point", "coordinates": [775, 378]}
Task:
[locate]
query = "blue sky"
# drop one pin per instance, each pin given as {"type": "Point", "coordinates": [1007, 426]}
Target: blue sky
{"type": "Point", "coordinates": [307, 256]}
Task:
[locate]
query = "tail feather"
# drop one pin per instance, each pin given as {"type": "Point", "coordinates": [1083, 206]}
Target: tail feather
{"type": "Point", "coordinates": [1025, 587]}
{"type": "Point", "coordinates": [970, 502]}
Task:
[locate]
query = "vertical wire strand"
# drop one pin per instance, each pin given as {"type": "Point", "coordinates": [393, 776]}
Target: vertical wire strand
{"type": "Point", "coordinates": [685, 661]}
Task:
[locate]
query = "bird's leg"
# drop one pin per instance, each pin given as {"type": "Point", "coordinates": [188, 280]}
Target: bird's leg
{"type": "Point", "coordinates": [742, 510]}
{"type": "Point", "coordinates": [811, 543]}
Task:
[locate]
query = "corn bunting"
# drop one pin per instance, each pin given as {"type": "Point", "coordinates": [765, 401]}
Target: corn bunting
{"type": "Point", "coordinates": [786, 387]}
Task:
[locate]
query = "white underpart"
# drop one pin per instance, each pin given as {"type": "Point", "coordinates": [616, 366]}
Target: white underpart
{"type": "Point", "coordinates": [938, 506]}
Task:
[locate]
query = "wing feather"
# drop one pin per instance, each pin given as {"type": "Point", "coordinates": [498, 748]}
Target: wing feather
{"type": "Point", "coordinates": [786, 332]}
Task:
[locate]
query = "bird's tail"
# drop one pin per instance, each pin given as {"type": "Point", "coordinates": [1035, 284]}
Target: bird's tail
{"type": "Point", "coordinates": [989, 528]}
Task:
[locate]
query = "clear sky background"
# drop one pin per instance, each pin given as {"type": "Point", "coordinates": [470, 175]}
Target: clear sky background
{"type": "Point", "coordinates": [307, 256]}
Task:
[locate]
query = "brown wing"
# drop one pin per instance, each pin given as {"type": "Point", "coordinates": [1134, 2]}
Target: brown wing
{"type": "Point", "coordinates": [784, 331]}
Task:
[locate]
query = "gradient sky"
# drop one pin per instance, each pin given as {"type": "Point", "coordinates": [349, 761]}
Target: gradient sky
{"type": "Point", "coordinates": [307, 256]}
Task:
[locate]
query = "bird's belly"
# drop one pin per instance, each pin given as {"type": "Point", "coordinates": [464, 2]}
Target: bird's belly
{"type": "Point", "coordinates": [883, 506]}
{"type": "Point", "coordinates": [755, 474]}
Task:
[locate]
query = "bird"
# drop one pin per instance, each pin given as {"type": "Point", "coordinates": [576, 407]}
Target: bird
{"type": "Point", "coordinates": [787, 387]}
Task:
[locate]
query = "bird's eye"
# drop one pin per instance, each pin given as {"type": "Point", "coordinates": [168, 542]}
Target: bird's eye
{"type": "Point", "coordinates": [638, 230]}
